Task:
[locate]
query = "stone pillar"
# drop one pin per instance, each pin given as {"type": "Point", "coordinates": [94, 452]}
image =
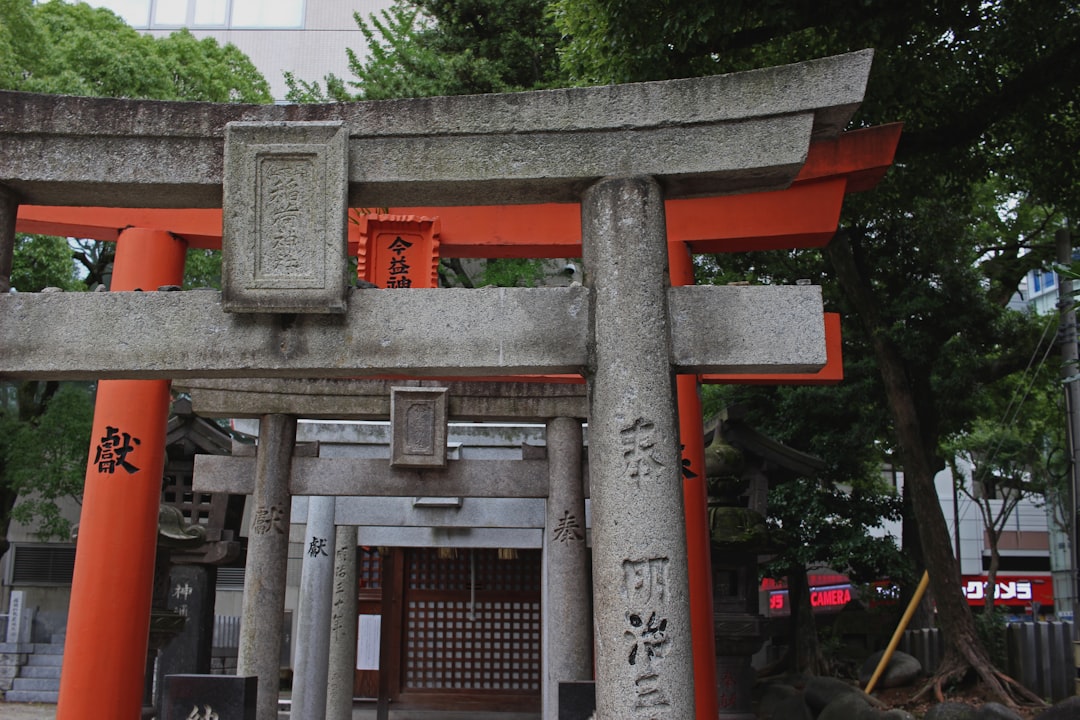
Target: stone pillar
{"type": "Point", "coordinates": [9, 210]}
{"type": "Point", "coordinates": [567, 642]}
{"type": "Point", "coordinates": [267, 561]}
{"type": "Point", "coordinates": [644, 663]}
{"type": "Point", "coordinates": [339, 690]}
{"type": "Point", "coordinates": [111, 589]}
{"type": "Point", "coordinates": [311, 666]}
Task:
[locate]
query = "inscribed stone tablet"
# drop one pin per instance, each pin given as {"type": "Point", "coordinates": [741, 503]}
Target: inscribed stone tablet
{"type": "Point", "coordinates": [418, 420]}
{"type": "Point", "coordinates": [209, 697]}
{"type": "Point", "coordinates": [284, 234]}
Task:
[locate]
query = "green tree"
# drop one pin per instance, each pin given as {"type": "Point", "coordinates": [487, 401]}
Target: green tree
{"type": "Point", "coordinates": [421, 48]}
{"type": "Point", "coordinates": [71, 48]}
{"type": "Point", "coordinates": [920, 267]}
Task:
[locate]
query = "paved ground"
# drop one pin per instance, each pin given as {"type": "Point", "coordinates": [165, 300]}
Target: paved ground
{"type": "Point", "coordinates": [33, 711]}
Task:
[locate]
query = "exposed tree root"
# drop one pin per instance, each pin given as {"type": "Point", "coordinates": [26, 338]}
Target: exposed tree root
{"type": "Point", "coordinates": [999, 686]}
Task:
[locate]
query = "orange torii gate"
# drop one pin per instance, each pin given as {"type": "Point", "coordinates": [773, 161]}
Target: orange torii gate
{"type": "Point", "coordinates": [803, 215]}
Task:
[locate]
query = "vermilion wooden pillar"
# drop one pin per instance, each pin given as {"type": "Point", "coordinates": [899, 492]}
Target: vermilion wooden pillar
{"type": "Point", "coordinates": [695, 500]}
{"type": "Point", "coordinates": [109, 616]}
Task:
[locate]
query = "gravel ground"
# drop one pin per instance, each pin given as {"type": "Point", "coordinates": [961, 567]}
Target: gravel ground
{"type": "Point", "coordinates": [26, 711]}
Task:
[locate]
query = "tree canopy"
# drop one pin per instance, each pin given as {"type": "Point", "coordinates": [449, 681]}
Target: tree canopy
{"type": "Point", "coordinates": [71, 48]}
{"type": "Point", "coordinates": [921, 267]}
{"type": "Point", "coordinates": [74, 49]}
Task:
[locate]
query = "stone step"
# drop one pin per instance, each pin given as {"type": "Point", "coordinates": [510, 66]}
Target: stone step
{"type": "Point", "coordinates": [31, 696]}
{"type": "Point", "coordinates": [45, 659]}
{"type": "Point", "coordinates": [49, 648]}
{"type": "Point", "coordinates": [36, 684]}
{"type": "Point", "coordinates": [40, 671]}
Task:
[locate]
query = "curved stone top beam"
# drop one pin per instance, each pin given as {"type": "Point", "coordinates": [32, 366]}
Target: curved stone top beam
{"type": "Point", "coordinates": [713, 135]}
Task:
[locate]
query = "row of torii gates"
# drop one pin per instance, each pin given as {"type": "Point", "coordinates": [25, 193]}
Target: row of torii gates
{"type": "Point", "coordinates": [634, 179]}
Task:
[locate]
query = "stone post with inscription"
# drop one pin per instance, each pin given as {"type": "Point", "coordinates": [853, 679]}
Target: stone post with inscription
{"type": "Point", "coordinates": [267, 562]}
{"type": "Point", "coordinates": [311, 667]}
{"type": "Point", "coordinates": [567, 643]}
{"type": "Point", "coordinates": [339, 688]}
{"type": "Point", "coordinates": [644, 664]}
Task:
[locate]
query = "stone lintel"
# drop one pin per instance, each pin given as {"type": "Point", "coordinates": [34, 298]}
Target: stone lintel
{"type": "Point", "coordinates": [525, 513]}
{"type": "Point", "coordinates": [479, 333]}
{"type": "Point", "coordinates": [459, 537]}
{"type": "Point", "coordinates": [375, 477]}
{"type": "Point", "coordinates": [718, 134]}
{"type": "Point", "coordinates": [347, 399]}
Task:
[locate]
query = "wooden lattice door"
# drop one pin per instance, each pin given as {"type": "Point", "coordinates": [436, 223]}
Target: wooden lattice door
{"type": "Point", "coordinates": [471, 630]}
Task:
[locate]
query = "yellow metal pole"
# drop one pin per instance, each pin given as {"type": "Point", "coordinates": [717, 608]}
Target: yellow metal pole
{"type": "Point", "coordinates": [919, 591]}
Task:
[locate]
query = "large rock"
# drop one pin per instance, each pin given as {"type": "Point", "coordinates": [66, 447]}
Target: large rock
{"type": "Point", "coordinates": [849, 706]}
{"type": "Point", "coordinates": [995, 711]}
{"type": "Point", "coordinates": [1068, 709]}
{"type": "Point", "coordinates": [896, 714]}
{"type": "Point", "coordinates": [782, 702]}
{"type": "Point", "coordinates": [821, 691]}
{"type": "Point", "coordinates": [902, 670]}
{"type": "Point", "coordinates": [950, 711]}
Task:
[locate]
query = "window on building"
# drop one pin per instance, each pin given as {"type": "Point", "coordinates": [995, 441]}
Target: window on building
{"type": "Point", "coordinates": [261, 14]}
{"type": "Point", "coordinates": [135, 13]}
{"type": "Point", "coordinates": [146, 14]}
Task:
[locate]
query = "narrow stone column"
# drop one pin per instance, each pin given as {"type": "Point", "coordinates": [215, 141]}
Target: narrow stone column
{"type": "Point", "coordinates": [9, 210]}
{"type": "Point", "coordinates": [267, 562]}
{"type": "Point", "coordinates": [567, 642]}
{"type": "Point", "coordinates": [311, 667]}
{"type": "Point", "coordinates": [339, 690]}
{"type": "Point", "coordinates": [644, 663]}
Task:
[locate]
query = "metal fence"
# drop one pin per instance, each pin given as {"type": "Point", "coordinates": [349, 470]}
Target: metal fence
{"type": "Point", "coordinates": [1038, 654]}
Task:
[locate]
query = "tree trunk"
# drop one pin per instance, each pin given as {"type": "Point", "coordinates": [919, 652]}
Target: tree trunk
{"type": "Point", "coordinates": [806, 654]}
{"type": "Point", "coordinates": [963, 651]}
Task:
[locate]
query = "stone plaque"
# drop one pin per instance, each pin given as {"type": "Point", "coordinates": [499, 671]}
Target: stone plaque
{"type": "Point", "coordinates": [285, 229]}
{"type": "Point", "coordinates": [209, 697]}
{"type": "Point", "coordinates": [418, 423]}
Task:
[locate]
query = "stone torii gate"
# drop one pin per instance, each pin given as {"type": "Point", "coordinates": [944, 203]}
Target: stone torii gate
{"type": "Point", "coordinates": [286, 311]}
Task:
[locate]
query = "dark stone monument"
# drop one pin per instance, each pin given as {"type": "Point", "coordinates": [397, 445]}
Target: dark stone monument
{"type": "Point", "coordinates": [577, 700]}
{"type": "Point", "coordinates": [209, 697]}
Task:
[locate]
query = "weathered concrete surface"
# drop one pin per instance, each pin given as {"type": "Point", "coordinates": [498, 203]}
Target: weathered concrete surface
{"type": "Point", "coordinates": [261, 623]}
{"type": "Point", "coordinates": [566, 649]}
{"type": "Point", "coordinates": [370, 477]}
{"type": "Point", "coordinates": [484, 332]}
{"type": "Point", "coordinates": [339, 686]}
{"type": "Point", "coordinates": [700, 135]}
{"type": "Point", "coordinates": [641, 614]}
{"type": "Point", "coordinates": [344, 399]}
{"type": "Point", "coordinates": [311, 667]}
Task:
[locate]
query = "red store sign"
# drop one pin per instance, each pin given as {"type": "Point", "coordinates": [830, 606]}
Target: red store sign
{"type": "Point", "coordinates": [1011, 590]}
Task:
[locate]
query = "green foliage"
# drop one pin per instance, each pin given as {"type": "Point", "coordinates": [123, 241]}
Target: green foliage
{"type": "Point", "coordinates": [46, 459]}
{"type": "Point", "coordinates": [74, 49]}
{"type": "Point", "coordinates": [815, 524]}
{"type": "Point", "coordinates": [990, 627]}
{"type": "Point", "coordinates": [43, 261]}
{"type": "Point", "coordinates": [421, 48]}
{"type": "Point", "coordinates": [513, 272]}
{"type": "Point", "coordinates": [202, 269]}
